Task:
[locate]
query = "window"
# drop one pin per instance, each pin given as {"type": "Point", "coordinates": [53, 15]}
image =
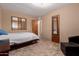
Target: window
{"type": "Point", "coordinates": [18, 23]}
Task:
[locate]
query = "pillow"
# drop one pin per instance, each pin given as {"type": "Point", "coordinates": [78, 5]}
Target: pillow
{"type": "Point", "coordinates": [3, 32]}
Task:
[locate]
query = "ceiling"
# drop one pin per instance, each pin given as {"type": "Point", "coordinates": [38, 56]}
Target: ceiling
{"type": "Point", "coordinates": [30, 9]}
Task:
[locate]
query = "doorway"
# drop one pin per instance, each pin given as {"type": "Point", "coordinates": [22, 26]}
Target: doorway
{"type": "Point", "coordinates": [55, 29]}
{"type": "Point", "coordinates": [35, 26]}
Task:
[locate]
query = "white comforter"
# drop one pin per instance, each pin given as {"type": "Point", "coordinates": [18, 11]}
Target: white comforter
{"type": "Point", "coordinates": [21, 37]}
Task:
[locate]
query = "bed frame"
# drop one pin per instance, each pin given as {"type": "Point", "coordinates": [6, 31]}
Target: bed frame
{"type": "Point", "coordinates": [16, 45]}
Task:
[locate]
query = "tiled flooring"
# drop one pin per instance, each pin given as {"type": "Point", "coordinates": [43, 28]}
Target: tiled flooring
{"type": "Point", "coordinates": [42, 48]}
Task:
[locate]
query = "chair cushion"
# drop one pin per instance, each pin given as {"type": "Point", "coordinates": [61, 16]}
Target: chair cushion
{"type": "Point", "coordinates": [74, 39]}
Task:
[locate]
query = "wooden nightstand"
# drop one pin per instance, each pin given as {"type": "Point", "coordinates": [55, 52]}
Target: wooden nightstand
{"type": "Point", "coordinates": [4, 46]}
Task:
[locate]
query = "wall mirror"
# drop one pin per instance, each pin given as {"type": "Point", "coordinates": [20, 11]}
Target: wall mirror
{"type": "Point", "coordinates": [55, 28]}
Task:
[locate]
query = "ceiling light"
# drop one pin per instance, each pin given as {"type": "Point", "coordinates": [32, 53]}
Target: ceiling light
{"type": "Point", "coordinates": [42, 5]}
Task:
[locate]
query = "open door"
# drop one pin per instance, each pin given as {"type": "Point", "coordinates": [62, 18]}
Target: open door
{"type": "Point", "coordinates": [55, 29]}
{"type": "Point", "coordinates": [35, 26]}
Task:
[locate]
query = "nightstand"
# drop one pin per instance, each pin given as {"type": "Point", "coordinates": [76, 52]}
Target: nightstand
{"type": "Point", "coordinates": [4, 46]}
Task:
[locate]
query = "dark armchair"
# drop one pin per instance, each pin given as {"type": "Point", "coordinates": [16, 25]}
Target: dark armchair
{"type": "Point", "coordinates": [71, 48]}
{"type": "Point", "coordinates": [74, 39]}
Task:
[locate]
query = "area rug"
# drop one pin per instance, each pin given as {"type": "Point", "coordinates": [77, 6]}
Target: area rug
{"type": "Point", "coordinates": [42, 48]}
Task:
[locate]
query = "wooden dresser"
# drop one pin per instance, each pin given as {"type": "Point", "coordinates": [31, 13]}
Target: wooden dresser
{"type": "Point", "coordinates": [55, 38]}
{"type": "Point", "coordinates": [4, 46]}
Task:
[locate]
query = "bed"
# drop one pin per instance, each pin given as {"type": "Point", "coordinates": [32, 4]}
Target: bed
{"type": "Point", "coordinates": [21, 39]}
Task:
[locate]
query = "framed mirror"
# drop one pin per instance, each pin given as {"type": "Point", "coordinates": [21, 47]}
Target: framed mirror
{"type": "Point", "coordinates": [55, 28]}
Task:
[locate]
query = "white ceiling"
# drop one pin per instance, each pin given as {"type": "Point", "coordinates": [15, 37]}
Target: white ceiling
{"type": "Point", "coordinates": [30, 9]}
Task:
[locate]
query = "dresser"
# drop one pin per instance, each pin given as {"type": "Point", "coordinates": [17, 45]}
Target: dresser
{"type": "Point", "coordinates": [55, 38]}
{"type": "Point", "coordinates": [4, 46]}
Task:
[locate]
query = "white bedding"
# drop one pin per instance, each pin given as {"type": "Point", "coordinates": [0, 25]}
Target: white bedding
{"type": "Point", "coordinates": [21, 37]}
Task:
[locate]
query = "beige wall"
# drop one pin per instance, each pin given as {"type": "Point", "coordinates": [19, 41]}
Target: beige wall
{"type": "Point", "coordinates": [69, 22]}
{"type": "Point", "coordinates": [0, 16]}
{"type": "Point", "coordinates": [6, 20]}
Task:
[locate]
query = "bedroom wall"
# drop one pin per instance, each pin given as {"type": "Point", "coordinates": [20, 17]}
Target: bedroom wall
{"type": "Point", "coordinates": [39, 26]}
{"type": "Point", "coordinates": [6, 20]}
{"type": "Point", "coordinates": [0, 16]}
{"type": "Point", "coordinates": [69, 22]}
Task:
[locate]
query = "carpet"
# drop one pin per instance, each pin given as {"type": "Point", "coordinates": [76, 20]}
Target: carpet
{"type": "Point", "coordinates": [42, 48]}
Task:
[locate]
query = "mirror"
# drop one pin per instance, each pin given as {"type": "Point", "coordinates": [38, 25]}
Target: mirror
{"type": "Point", "coordinates": [55, 25]}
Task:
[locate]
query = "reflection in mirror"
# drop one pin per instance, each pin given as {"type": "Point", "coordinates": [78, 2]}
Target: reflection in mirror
{"type": "Point", "coordinates": [55, 25]}
{"type": "Point", "coordinates": [55, 29]}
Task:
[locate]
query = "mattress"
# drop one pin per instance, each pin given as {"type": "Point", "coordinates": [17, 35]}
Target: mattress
{"type": "Point", "coordinates": [21, 37]}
